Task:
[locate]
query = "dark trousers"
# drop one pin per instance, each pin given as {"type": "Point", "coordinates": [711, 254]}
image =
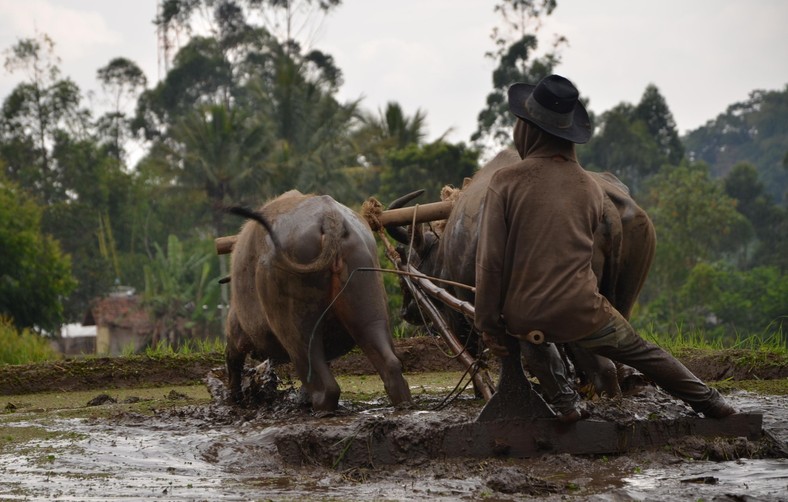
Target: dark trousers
{"type": "Point", "coordinates": [618, 341]}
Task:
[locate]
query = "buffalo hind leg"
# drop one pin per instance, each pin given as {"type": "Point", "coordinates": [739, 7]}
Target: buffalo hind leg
{"type": "Point", "coordinates": [315, 375]}
{"type": "Point", "coordinates": [235, 357]}
{"type": "Point", "coordinates": [377, 346]}
{"type": "Point", "coordinates": [235, 365]}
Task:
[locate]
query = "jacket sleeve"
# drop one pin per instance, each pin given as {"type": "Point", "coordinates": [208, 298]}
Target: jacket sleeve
{"type": "Point", "coordinates": [490, 251]}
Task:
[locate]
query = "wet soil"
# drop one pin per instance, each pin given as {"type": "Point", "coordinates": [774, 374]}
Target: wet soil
{"type": "Point", "coordinates": [191, 450]}
{"type": "Point", "coordinates": [418, 354]}
{"type": "Point", "coordinates": [735, 364]}
{"type": "Point", "coordinates": [183, 448]}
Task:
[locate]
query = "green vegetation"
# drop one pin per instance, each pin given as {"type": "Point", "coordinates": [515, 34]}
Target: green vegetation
{"type": "Point", "coordinates": [22, 346]}
{"type": "Point", "coordinates": [11, 436]}
{"type": "Point", "coordinates": [754, 131]}
{"type": "Point", "coordinates": [148, 400]}
{"type": "Point", "coordinates": [185, 348]}
{"type": "Point", "coordinates": [436, 165]}
{"type": "Point", "coordinates": [181, 293]}
{"type": "Point", "coordinates": [717, 200]}
{"type": "Point", "coordinates": [34, 273]}
{"type": "Point", "coordinates": [246, 112]}
{"type": "Point", "coordinates": [693, 339]}
{"type": "Point", "coordinates": [25, 347]}
{"type": "Point", "coordinates": [365, 387]}
{"type": "Point", "coordinates": [516, 40]}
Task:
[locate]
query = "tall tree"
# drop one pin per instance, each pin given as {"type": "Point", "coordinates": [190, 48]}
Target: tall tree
{"type": "Point", "coordinates": [220, 152]}
{"type": "Point", "coordinates": [35, 112]}
{"type": "Point", "coordinates": [769, 220]}
{"type": "Point", "coordinates": [695, 221]}
{"type": "Point", "coordinates": [754, 131]}
{"type": "Point", "coordinates": [201, 75]}
{"type": "Point", "coordinates": [654, 112]}
{"type": "Point", "coordinates": [248, 115]}
{"type": "Point", "coordinates": [515, 45]}
{"type": "Point", "coordinates": [122, 80]}
{"type": "Point", "coordinates": [228, 20]}
{"type": "Point", "coordinates": [35, 275]}
{"type": "Point", "coordinates": [94, 223]}
{"type": "Point", "coordinates": [623, 147]}
{"type": "Point", "coordinates": [313, 143]}
{"type": "Point", "coordinates": [634, 142]}
{"type": "Point", "coordinates": [380, 133]}
{"type": "Point", "coordinates": [49, 145]}
{"type": "Point", "coordinates": [431, 167]}
{"type": "Point", "coordinates": [391, 128]}
{"type": "Point", "coordinates": [204, 138]}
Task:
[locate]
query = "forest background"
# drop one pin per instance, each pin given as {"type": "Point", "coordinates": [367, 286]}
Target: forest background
{"type": "Point", "coordinates": [245, 113]}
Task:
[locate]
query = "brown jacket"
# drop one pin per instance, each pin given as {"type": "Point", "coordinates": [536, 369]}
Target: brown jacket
{"type": "Point", "coordinates": [533, 263]}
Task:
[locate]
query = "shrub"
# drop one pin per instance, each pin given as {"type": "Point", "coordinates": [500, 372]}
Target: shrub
{"type": "Point", "coordinates": [21, 347]}
{"type": "Point", "coordinates": [724, 302]}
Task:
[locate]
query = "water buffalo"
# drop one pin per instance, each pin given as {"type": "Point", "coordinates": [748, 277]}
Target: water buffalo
{"type": "Point", "coordinates": [296, 296]}
{"type": "Point", "coordinates": [624, 249]}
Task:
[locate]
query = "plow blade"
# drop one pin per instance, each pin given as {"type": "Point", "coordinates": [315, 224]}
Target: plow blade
{"type": "Point", "coordinates": [515, 397]}
{"type": "Point", "coordinates": [531, 438]}
{"type": "Point", "coordinates": [386, 441]}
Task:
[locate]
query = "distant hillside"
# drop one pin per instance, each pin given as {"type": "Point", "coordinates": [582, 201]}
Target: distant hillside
{"type": "Point", "coordinates": [754, 131]}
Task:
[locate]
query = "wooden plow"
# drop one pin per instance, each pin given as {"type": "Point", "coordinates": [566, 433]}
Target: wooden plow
{"type": "Point", "coordinates": [516, 421]}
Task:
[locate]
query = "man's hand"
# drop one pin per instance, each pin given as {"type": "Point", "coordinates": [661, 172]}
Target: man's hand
{"type": "Point", "coordinates": [496, 344]}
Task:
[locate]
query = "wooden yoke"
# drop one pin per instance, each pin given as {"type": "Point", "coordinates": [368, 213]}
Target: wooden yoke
{"type": "Point", "coordinates": [424, 212]}
{"type": "Point", "coordinates": [402, 216]}
{"type": "Point", "coordinates": [224, 245]}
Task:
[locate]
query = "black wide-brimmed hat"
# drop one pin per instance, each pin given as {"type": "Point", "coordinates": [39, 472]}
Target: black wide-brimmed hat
{"type": "Point", "coordinates": [553, 106]}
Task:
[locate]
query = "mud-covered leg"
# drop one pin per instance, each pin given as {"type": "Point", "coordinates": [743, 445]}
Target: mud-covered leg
{"type": "Point", "coordinates": [315, 375]}
{"type": "Point", "coordinates": [545, 363]}
{"type": "Point", "coordinates": [600, 371]}
{"type": "Point", "coordinates": [377, 346]}
{"type": "Point", "coordinates": [235, 366]}
{"type": "Point", "coordinates": [235, 357]}
{"type": "Point", "coordinates": [360, 307]}
{"type": "Point", "coordinates": [619, 341]}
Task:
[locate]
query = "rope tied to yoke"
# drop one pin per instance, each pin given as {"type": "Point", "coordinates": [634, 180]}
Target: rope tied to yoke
{"type": "Point", "coordinates": [371, 210]}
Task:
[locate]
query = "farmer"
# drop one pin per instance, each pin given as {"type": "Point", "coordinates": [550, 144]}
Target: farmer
{"type": "Point", "coordinates": [533, 263]}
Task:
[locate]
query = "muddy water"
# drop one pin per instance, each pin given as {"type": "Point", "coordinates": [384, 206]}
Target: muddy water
{"type": "Point", "coordinates": [213, 453]}
{"type": "Point", "coordinates": [743, 479]}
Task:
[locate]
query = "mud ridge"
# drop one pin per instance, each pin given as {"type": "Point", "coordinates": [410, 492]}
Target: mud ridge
{"type": "Point", "coordinates": [418, 354]}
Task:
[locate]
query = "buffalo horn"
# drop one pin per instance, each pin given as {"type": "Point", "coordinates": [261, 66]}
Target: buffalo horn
{"type": "Point", "coordinates": [397, 232]}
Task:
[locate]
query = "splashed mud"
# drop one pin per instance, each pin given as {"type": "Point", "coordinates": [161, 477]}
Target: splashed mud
{"type": "Point", "coordinates": [185, 443]}
{"type": "Point", "coordinates": [205, 450]}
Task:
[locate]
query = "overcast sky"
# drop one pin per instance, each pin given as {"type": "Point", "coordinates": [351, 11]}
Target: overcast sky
{"type": "Point", "coordinates": [702, 54]}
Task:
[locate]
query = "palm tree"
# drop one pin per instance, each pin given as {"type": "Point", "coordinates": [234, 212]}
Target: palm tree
{"type": "Point", "coordinates": [390, 129]}
{"type": "Point", "coordinates": [313, 144]}
{"type": "Point", "coordinates": [221, 151]}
